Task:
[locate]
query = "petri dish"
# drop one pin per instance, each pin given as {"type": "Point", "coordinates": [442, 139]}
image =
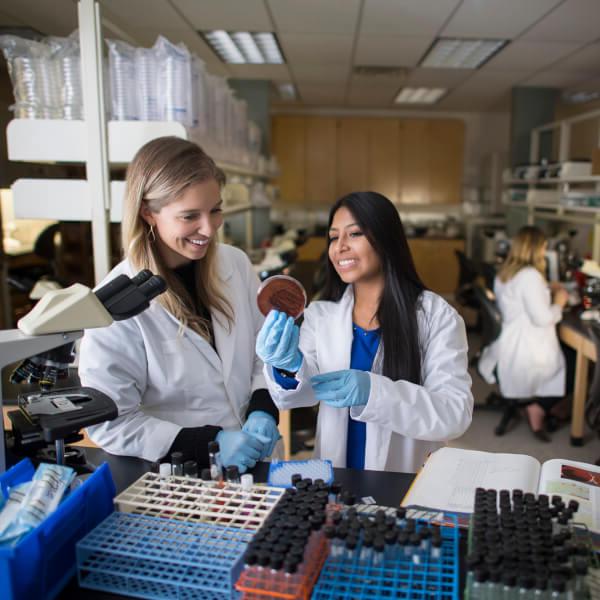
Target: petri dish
{"type": "Point", "coordinates": [281, 292]}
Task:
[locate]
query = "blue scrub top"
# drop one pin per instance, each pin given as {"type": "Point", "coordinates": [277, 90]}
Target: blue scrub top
{"type": "Point", "coordinates": [364, 347]}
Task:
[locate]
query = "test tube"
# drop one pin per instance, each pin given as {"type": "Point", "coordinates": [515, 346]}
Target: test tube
{"type": "Point", "coordinates": [436, 547]}
{"type": "Point", "coordinates": [190, 468]}
{"type": "Point", "coordinates": [390, 544]}
{"type": "Point", "coordinates": [177, 463]}
{"type": "Point", "coordinates": [206, 475]}
{"type": "Point", "coordinates": [378, 549]}
{"type": "Point", "coordinates": [351, 543]}
{"type": "Point", "coordinates": [214, 461]}
{"type": "Point", "coordinates": [366, 552]}
{"type": "Point", "coordinates": [233, 474]}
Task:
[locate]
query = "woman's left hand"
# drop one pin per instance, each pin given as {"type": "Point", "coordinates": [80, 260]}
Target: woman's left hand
{"type": "Point", "coordinates": [263, 427]}
{"type": "Point", "coordinates": [350, 387]}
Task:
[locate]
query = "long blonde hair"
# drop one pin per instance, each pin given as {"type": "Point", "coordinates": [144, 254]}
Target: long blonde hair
{"type": "Point", "coordinates": [160, 173]}
{"type": "Point", "coordinates": [526, 251]}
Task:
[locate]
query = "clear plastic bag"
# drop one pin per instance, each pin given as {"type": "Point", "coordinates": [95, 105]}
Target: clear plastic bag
{"type": "Point", "coordinates": [34, 76]}
{"type": "Point", "coordinates": [175, 81]}
{"type": "Point", "coordinates": [122, 76]}
{"type": "Point", "coordinates": [67, 55]}
{"type": "Point", "coordinates": [146, 73]}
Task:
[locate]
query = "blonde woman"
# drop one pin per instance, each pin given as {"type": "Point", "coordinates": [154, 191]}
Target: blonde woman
{"type": "Point", "coordinates": [527, 355]}
{"type": "Point", "coordinates": [184, 372]}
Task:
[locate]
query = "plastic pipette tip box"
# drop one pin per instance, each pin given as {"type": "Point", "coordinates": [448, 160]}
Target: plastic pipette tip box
{"type": "Point", "coordinates": [280, 472]}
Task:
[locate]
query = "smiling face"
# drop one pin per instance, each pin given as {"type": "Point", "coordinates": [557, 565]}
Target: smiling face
{"type": "Point", "coordinates": [350, 252]}
{"type": "Point", "coordinates": [184, 227]}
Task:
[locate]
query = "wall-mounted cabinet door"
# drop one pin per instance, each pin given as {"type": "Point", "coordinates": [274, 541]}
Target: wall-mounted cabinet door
{"type": "Point", "coordinates": [320, 161]}
{"type": "Point", "coordinates": [384, 151]}
{"type": "Point", "coordinates": [352, 155]}
{"type": "Point", "coordinates": [446, 154]}
{"type": "Point", "coordinates": [288, 145]}
{"type": "Point", "coordinates": [413, 166]}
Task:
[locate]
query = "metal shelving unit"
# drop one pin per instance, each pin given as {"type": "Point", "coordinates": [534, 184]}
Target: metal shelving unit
{"type": "Point", "coordinates": [557, 211]}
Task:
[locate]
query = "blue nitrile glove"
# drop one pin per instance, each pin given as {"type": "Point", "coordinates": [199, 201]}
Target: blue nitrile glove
{"type": "Point", "coordinates": [277, 342]}
{"type": "Point", "coordinates": [350, 387]}
{"type": "Point", "coordinates": [262, 426]}
{"type": "Point", "coordinates": [239, 448]}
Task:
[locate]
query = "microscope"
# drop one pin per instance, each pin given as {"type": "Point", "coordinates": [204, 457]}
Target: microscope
{"type": "Point", "coordinates": [45, 339]}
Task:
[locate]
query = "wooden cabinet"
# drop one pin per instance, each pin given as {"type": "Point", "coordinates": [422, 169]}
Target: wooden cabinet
{"type": "Point", "coordinates": [288, 141]}
{"type": "Point", "coordinates": [411, 161]}
{"type": "Point", "coordinates": [320, 160]}
{"type": "Point", "coordinates": [436, 262]}
{"type": "Point", "coordinates": [352, 155]}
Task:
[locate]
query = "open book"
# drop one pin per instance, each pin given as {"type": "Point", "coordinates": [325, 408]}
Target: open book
{"type": "Point", "coordinates": [450, 476]}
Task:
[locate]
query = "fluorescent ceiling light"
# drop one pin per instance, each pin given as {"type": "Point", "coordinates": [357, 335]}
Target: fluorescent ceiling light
{"type": "Point", "coordinates": [455, 53]}
{"type": "Point", "coordinates": [242, 47]}
{"type": "Point", "coordinates": [419, 95]}
{"type": "Point", "coordinates": [287, 91]}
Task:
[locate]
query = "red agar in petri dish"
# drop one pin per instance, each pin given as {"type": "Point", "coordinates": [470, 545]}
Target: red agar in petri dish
{"type": "Point", "coordinates": [282, 293]}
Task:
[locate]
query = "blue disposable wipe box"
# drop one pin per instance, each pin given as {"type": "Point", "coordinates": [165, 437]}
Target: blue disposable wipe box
{"type": "Point", "coordinates": [43, 561]}
{"type": "Point", "coordinates": [280, 472]}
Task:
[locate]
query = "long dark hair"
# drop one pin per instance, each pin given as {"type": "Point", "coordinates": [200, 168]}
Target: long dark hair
{"type": "Point", "coordinates": [397, 313]}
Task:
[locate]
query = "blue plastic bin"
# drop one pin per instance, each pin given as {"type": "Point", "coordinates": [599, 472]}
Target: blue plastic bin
{"type": "Point", "coordinates": [43, 561]}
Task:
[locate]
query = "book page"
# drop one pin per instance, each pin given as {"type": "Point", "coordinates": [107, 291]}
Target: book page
{"type": "Point", "coordinates": [574, 480]}
{"type": "Point", "coordinates": [450, 476]}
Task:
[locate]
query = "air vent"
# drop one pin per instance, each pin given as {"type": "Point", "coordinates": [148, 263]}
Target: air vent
{"type": "Point", "coordinates": [379, 71]}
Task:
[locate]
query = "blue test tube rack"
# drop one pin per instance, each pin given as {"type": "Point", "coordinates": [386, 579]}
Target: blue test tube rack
{"type": "Point", "coordinates": [153, 557]}
{"type": "Point", "coordinates": [399, 577]}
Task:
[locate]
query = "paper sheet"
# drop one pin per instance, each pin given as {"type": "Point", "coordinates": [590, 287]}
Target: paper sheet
{"type": "Point", "coordinates": [450, 476]}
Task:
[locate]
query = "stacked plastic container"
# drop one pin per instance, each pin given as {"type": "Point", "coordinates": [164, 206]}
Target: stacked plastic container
{"type": "Point", "coordinates": [162, 83]}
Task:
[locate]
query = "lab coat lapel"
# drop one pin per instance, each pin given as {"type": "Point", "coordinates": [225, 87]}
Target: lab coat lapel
{"type": "Point", "coordinates": [224, 338]}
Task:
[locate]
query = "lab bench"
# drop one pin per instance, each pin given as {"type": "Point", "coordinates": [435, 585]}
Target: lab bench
{"type": "Point", "coordinates": [387, 489]}
{"type": "Point", "coordinates": [575, 332]}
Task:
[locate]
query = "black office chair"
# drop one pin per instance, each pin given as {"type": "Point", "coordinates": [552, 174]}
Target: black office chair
{"type": "Point", "coordinates": [491, 326]}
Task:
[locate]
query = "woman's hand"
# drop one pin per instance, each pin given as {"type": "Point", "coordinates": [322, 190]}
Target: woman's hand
{"type": "Point", "coordinates": [350, 387]}
{"type": "Point", "coordinates": [239, 448]}
{"type": "Point", "coordinates": [277, 342]}
{"type": "Point", "coordinates": [263, 427]}
{"type": "Point", "coordinates": [561, 297]}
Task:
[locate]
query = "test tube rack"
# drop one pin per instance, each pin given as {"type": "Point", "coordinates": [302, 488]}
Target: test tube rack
{"type": "Point", "coordinates": [258, 582]}
{"type": "Point", "coordinates": [399, 577]}
{"type": "Point", "coordinates": [150, 557]}
{"type": "Point", "coordinates": [195, 500]}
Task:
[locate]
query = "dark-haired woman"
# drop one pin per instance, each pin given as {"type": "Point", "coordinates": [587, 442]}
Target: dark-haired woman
{"type": "Point", "coordinates": [385, 358]}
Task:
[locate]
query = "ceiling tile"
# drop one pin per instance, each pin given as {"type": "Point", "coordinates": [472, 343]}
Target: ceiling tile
{"type": "Point", "coordinates": [50, 18]}
{"type": "Point", "coordinates": [407, 17]}
{"type": "Point", "coordinates": [447, 78]}
{"type": "Point", "coordinates": [231, 15]}
{"type": "Point", "coordinates": [274, 72]}
{"type": "Point", "coordinates": [485, 79]}
{"type": "Point", "coordinates": [322, 93]}
{"type": "Point", "coordinates": [559, 79]}
{"type": "Point", "coordinates": [390, 50]}
{"type": "Point", "coordinates": [316, 48]}
{"type": "Point", "coordinates": [7, 20]}
{"type": "Point", "coordinates": [146, 14]}
{"type": "Point", "coordinates": [585, 60]}
{"type": "Point", "coordinates": [318, 72]}
{"type": "Point", "coordinates": [530, 56]}
{"type": "Point", "coordinates": [371, 96]}
{"type": "Point", "coordinates": [571, 21]}
{"type": "Point", "coordinates": [315, 16]}
{"type": "Point", "coordinates": [492, 19]}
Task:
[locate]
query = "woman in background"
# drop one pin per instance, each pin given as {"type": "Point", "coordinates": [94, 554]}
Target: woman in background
{"type": "Point", "coordinates": [527, 354]}
{"type": "Point", "coordinates": [184, 372]}
{"type": "Point", "coordinates": [385, 359]}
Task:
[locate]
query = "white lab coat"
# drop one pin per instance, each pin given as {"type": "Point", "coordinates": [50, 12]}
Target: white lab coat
{"type": "Point", "coordinates": [405, 421]}
{"type": "Point", "coordinates": [162, 381]}
{"type": "Point", "coordinates": [527, 353]}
